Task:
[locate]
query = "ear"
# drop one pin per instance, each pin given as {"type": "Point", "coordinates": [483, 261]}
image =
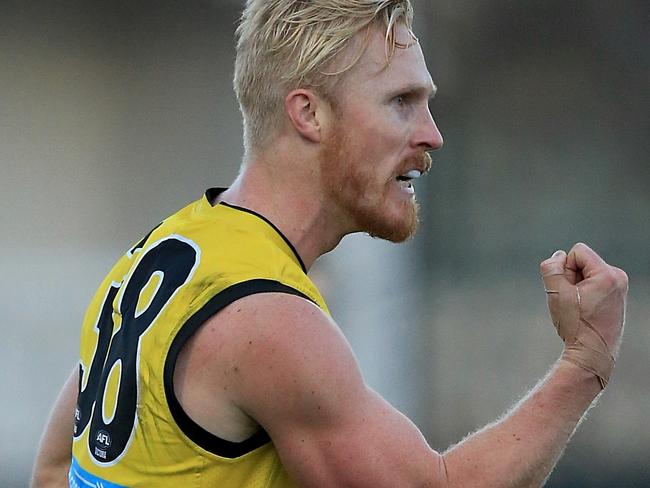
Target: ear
{"type": "Point", "coordinates": [304, 109]}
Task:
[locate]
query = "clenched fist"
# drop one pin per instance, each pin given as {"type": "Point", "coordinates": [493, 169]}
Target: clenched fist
{"type": "Point", "coordinates": [586, 299]}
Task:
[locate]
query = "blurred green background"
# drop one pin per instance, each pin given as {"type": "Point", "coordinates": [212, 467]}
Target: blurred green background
{"type": "Point", "coordinates": [115, 114]}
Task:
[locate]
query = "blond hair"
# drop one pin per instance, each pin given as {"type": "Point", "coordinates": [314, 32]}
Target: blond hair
{"type": "Point", "coordinates": [287, 44]}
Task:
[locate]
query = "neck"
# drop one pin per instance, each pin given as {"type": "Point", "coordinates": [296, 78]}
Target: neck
{"type": "Point", "coordinates": [287, 191]}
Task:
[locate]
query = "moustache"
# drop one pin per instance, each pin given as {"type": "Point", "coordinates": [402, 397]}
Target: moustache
{"type": "Point", "coordinates": [422, 161]}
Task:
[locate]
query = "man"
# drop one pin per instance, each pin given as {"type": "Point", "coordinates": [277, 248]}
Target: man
{"type": "Point", "coordinates": [208, 358]}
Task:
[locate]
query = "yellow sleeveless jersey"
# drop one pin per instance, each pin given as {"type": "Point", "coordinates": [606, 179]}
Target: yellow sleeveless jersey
{"type": "Point", "coordinates": [130, 429]}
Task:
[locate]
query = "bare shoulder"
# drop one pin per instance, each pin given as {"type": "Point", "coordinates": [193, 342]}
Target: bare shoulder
{"type": "Point", "coordinates": [291, 349]}
{"type": "Point", "coordinates": [263, 347]}
{"type": "Point", "coordinates": [282, 363]}
{"type": "Point", "coordinates": [270, 342]}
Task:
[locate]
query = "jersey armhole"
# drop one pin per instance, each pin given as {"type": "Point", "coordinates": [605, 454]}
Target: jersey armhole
{"type": "Point", "coordinates": [197, 434]}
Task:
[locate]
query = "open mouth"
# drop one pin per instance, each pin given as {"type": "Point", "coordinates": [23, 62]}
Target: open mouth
{"type": "Point", "coordinates": [406, 179]}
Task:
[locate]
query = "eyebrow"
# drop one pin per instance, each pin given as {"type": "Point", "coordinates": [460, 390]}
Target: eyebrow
{"type": "Point", "coordinates": [417, 89]}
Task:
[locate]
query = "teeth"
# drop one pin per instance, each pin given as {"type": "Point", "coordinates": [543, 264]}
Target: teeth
{"type": "Point", "coordinates": [414, 173]}
{"type": "Point", "coordinates": [406, 185]}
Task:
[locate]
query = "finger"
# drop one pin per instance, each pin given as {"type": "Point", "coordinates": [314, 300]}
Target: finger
{"type": "Point", "coordinates": [582, 260]}
{"type": "Point", "coordinates": [571, 272]}
{"type": "Point", "coordinates": [552, 271]}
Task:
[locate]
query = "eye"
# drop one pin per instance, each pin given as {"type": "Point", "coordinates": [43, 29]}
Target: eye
{"type": "Point", "coordinates": [400, 99]}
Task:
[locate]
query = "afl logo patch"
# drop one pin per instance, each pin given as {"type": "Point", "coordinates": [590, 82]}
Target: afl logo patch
{"type": "Point", "coordinates": [103, 439]}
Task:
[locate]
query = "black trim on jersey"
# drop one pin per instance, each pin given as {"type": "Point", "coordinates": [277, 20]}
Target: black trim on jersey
{"type": "Point", "coordinates": [142, 242]}
{"type": "Point", "coordinates": [260, 216]}
{"type": "Point", "coordinates": [213, 193]}
{"type": "Point", "coordinates": [195, 432]}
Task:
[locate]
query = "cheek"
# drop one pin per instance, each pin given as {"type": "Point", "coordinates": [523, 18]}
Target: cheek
{"type": "Point", "coordinates": [390, 140]}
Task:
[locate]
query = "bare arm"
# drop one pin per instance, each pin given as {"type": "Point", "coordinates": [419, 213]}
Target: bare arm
{"type": "Point", "coordinates": [291, 370]}
{"type": "Point", "coordinates": [521, 449]}
{"type": "Point", "coordinates": [55, 450]}
{"type": "Point", "coordinates": [536, 431]}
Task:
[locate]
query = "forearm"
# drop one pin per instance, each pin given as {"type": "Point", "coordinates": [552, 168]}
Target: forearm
{"type": "Point", "coordinates": [54, 454]}
{"type": "Point", "coordinates": [51, 477]}
{"type": "Point", "coordinates": [521, 449]}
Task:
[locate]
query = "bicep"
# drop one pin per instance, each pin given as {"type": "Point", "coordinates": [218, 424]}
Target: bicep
{"type": "Point", "coordinates": [55, 449]}
{"type": "Point", "coordinates": [372, 446]}
{"type": "Point", "coordinates": [305, 388]}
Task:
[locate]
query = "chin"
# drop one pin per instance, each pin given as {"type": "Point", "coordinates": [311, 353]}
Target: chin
{"type": "Point", "coordinates": [401, 227]}
{"type": "Point", "coordinates": [394, 234]}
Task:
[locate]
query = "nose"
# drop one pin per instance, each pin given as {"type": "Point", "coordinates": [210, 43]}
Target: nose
{"type": "Point", "coordinates": [427, 133]}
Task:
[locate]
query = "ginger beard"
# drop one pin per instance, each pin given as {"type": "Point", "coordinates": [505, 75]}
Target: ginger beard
{"type": "Point", "coordinates": [363, 195]}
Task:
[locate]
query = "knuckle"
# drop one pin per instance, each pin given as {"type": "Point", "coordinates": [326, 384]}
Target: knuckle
{"type": "Point", "coordinates": [623, 280]}
{"type": "Point", "coordinates": [580, 246]}
{"type": "Point", "coordinates": [609, 277]}
{"type": "Point", "coordinates": [616, 278]}
{"type": "Point", "coordinates": [549, 266]}
{"type": "Point", "coordinates": [546, 263]}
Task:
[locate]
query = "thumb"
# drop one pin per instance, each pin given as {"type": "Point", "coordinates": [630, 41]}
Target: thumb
{"type": "Point", "coordinates": [552, 271]}
{"type": "Point", "coordinates": [561, 294]}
